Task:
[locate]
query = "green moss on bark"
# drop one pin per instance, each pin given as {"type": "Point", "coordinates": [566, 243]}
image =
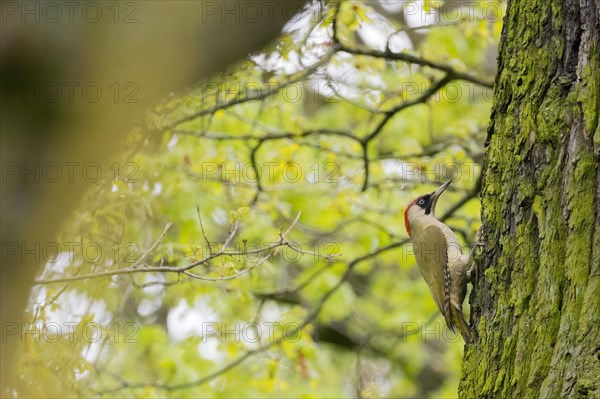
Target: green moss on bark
{"type": "Point", "coordinates": [535, 303]}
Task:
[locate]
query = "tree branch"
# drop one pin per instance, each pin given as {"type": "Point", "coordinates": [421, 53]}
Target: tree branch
{"type": "Point", "coordinates": [183, 269]}
{"type": "Point", "coordinates": [413, 59]}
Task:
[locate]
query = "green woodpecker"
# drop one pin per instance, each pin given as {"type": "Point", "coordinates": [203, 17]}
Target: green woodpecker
{"type": "Point", "coordinates": [439, 258]}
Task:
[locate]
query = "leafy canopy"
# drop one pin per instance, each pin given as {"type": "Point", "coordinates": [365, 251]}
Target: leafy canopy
{"type": "Point", "coordinates": [357, 109]}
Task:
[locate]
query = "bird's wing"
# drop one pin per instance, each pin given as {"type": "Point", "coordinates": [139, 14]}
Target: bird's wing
{"type": "Point", "coordinates": [432, 258]}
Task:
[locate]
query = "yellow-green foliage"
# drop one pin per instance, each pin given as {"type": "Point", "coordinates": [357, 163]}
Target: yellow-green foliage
{"type": "Point", "coordinates": [198, 150]}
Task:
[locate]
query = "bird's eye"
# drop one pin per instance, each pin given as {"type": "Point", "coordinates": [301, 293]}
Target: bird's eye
{"type": "Point", "coordinates": [421, 202]}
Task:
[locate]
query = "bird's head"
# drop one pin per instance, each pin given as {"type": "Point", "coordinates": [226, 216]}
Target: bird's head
{"type": "Point", "coordinates": [423, 207]}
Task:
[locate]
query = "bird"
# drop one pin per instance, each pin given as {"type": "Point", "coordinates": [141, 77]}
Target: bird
{"type": "Point", "coordinates": [440, 259]}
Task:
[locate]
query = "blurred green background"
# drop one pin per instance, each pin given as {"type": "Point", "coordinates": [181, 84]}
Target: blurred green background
{"type": "Point", "coordinates": [327, 122]}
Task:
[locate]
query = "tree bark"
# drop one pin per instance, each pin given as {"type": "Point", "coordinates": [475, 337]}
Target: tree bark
{"type": "Point", "coordinates": [536, 296]}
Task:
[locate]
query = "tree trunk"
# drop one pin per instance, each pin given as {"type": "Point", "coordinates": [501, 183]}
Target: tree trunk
{"type": "Point", "coordinates": [535, 303]}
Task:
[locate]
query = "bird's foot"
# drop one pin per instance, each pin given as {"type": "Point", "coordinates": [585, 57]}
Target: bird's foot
{"type": "Point", "coordinates": [477, 244]}
{"type": "Point", "coordinates": [471, 270]}
{"type": "Point", "coordinates": [470, 273]}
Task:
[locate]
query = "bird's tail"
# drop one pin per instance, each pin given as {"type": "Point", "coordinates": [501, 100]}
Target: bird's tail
{"type": "Point", "coordinates": [458, 319]}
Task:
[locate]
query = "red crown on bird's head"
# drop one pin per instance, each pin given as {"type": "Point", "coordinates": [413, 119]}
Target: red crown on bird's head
{"type": "Point", "coordinates": [406, 223]}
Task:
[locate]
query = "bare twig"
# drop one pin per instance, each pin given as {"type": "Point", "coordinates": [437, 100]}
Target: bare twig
{"type": "Point", "coordinates": [153, 246]}
{"type": "Point", "coordinates": [203, 232]}
{"type": "Point", "coordinates": [184, 269]}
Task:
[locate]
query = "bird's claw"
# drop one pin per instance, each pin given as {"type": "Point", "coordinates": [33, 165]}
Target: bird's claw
{"type": "Point", "coordinates": [470, 274]}
{"type": "Point", "coordinates": [471, 270]}
{"type": "Point", "coordinates": [477, 244]}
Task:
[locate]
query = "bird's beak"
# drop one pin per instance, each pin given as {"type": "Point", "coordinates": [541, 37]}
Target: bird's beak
{"type": "Point", "coordinates": [437, 193]}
